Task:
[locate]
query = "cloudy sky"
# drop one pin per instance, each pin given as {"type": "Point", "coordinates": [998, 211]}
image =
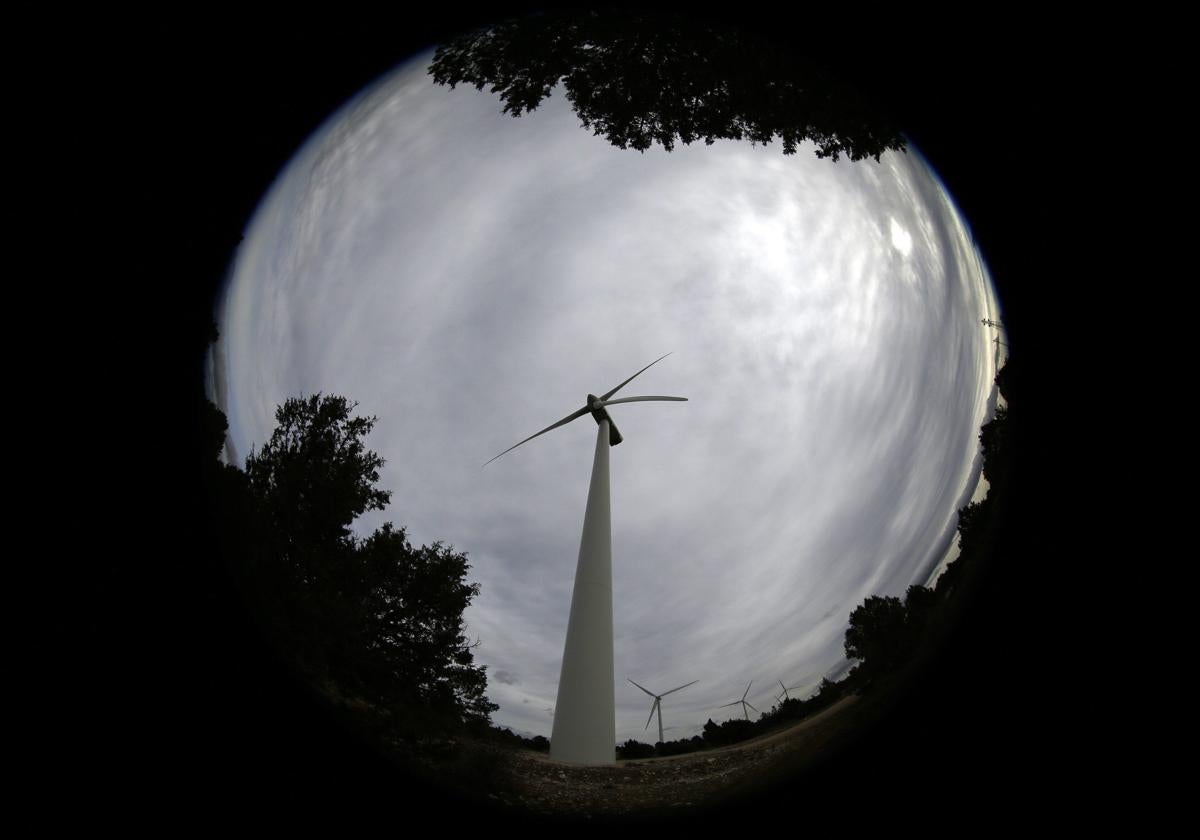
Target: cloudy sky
{"type": "Point", "coordinates": [469, 277]}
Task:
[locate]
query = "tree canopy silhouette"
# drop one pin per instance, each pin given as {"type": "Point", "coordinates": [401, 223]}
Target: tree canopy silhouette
{"type": "Point", "coordinates": [638, 79]}
{"type": "Point", "coordinates": [876, 634]}
{"type": "Point", "coordinates": [415, 598]}
{"type": "Point", "coordinates": [886, 633]}
{"type": "Point", "coordinates": [313, 478]}
{"type": "Point", "coordinates": [379, 618]}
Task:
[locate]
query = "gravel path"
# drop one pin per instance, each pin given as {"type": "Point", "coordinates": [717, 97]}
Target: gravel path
{"type": "Point", "coordinates": [533, 782]}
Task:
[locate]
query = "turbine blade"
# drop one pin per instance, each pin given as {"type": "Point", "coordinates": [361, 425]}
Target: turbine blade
{"type": "Point", "coordinates": [748, 688]}
{"type": "Point", "coordinates": [651, 693]}
{"type": "Point", "coordinates": [614, 434]}
{"type": "Point", "coordinates": [727, 705]}
{"type": "Point", "coordinates": [665, 693]}
{"type": "Point", "coordinates": [653, 706]}
{"type": "Point", "coordinates": [608, 394]}
{"type": "Point", "coordinates": [642, 399]}
{"type": "Point", "coordinates": [751, 705]}
{"type": "Point", "coordinates": [781, 685]}
{"type": "Point", "coordinates": [561, 422]}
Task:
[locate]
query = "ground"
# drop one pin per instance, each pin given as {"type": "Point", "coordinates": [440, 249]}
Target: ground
{"type": "Point", "coordinates": [525, 781]}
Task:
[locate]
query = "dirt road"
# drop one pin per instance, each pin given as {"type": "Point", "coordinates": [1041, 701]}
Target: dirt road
{"type": "Point", "coordinates": [533, 782]}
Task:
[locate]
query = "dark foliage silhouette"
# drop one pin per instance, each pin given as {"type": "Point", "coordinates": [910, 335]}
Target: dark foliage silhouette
{"type": "Point", "coordinates": [876, 632]}
{"type": "Point", "coordinates": [887, 633]}
{"type": "Point", "coordinates": [375, 621]}
{"type": "Point", "coordinates": [993, 442]}
{"type": "Point", "coordinates": [632, 749]}
{"type": "Point", "coordinates": [313, 478]}
{"type": "Point", "coordinates": [729, 732]}
{"type": "Point", "coordinates": [414, 601]}
{"type": "Point", "coordinates": [640, 79]}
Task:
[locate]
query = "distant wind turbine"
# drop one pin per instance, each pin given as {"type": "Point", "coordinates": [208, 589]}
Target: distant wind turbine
{"type": "Point", "coordinates": [742, 701]}
{"type": "Point", "coordinates": [785, 694]}
{"type": "Point", "coordinates": [585, 720]}
{"type": "Point", "coordinates": [657, 705]}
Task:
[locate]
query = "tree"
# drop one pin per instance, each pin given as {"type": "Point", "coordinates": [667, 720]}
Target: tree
{"type": "Point", "coordinates": [414, 606]}
{"type": "Point", "coordinates": [632, 749]}
{"type": "Point", "coordinates": [313, 478]}
{"type": "Point", "coordinates": [378, 617]}
{"type": "Point", "coordinates": [876, 634]}
{"type": "Point", "coordinates": [640, 78]}
{"type": "Point", "coordinates": [993, 442]}
{"type": "Point", "coordinates": [919, 605]}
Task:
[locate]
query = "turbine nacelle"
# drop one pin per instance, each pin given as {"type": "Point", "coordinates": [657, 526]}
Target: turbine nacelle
{"type": "Point", "coordinates": [596, 406]}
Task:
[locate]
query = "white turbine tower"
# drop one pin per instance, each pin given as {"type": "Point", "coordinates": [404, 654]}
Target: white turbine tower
{"type": "Point", "coordinates": [657, 705]}
{"type": "Point", "coordinates": [742, 701]}
{"type": "Point", "coordinates": [585, 720]}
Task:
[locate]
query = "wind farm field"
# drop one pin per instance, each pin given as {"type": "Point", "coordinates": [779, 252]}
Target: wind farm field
{"type": "Point", "coordinates": [531, 781]}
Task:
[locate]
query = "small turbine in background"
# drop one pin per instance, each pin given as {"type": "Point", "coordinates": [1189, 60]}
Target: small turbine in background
{"type": "Point", "coordinates": [742, 701]}
{"type": "Point", "coordinates": [786, 689]}
{"type": "Point", "coordinates": [657, 706]}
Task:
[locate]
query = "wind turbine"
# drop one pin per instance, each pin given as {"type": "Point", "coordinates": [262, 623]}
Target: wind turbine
{"type": "Point", "coordinates": [585, 719]}
{"type": "Point", "coordinates": [786, 690]}
{"type": "Point", "coordinates": [742, 701]}
{"type": "Point", "coordinates": [657, 705]}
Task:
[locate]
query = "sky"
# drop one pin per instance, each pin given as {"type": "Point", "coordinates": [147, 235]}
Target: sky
{"type": "Point", "coordinates": [469, 277]}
